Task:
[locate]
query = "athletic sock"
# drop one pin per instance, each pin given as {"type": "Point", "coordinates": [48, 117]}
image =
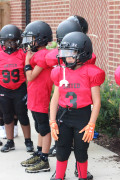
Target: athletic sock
{"type": "Point", "coordinates": [44, 156]}
{"type": "Point", "coordinates": [39, 150]}
{"type": "Point", "coordinates": [82, 169]}
{"type": "Point", "coordinates": [10, 141]}
{"type": "Point", "coordinates": [60, 169]}
{"type": "Point", "coordinates": [27, 140]}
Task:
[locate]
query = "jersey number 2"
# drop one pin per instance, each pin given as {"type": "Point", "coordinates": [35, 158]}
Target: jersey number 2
{"type": "Point", "coordinates": [13, 74]}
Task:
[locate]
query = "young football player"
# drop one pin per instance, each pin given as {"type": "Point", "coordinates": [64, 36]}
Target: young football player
{"type": "Point", "coordinates": [77, 86]}
{"type": "Point", "coordinates": [117, 75]}
{"type": "Point", "coordinates": [35, 39]}
{"type": "Point", "coordinates": [2, 127]}
{"type": "Point", "coordinates": [13, 91]}
{"type": "Point", "coordinates": [0, 112]}
{"type": "Point", "coordinates": [73, 23]}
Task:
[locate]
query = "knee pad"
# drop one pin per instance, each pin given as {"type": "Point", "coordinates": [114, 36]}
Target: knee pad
{"type": "Point", "coordinates": [8, 118]}
{"type": "Point", "coordinates": [62, 153]}
{"type": "Point", "coordinates": [43, 129]}
{"type": "Point", "coordinates": [23, 118]}
{"type": "Point", "coordinates": [81, 155]}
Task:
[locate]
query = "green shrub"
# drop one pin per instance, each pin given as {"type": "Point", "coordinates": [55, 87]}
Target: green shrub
{"type": "Point", "coordinates": [51, 45]}
{"type": "Point", "coordinates": [108, 121]}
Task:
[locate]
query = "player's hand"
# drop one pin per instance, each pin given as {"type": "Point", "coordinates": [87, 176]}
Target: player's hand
{"type": "Point", "coordinates": [89, 132]}
{"type": "Point", "coordinates": [29, 55]}
{"type": "Point", "coordinates": [54, 130]}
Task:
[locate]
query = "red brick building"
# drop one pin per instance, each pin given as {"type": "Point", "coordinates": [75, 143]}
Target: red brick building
{"type": "Point", "coordinates": [103, 17]}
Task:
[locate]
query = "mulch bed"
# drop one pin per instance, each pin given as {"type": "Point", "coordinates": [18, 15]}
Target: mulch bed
{"type": "Point", "coordinates": [113, 144]}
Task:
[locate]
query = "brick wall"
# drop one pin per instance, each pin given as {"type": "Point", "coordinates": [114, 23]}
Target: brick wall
{"type": "Point", "coordinates": [103, 17]}
{"type": "Point", "coordinates": [50, 11]}
{"type": "Point", "coordinates": [18, 13]}
{"type": "Point", "coordinates": [96, 13]}
{"type": "Point", "coordinates": [114, 36]}
{"type": "Point", "coordinates": [104, 21]}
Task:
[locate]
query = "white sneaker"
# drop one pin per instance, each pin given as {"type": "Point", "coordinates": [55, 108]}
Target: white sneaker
{"type": "Point", "coordinates": [15, 131]}
{"type": "Point", "coordinates": [2, 132]}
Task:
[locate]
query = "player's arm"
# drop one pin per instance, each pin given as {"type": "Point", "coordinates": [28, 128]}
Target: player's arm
{"type": "Point", "coordinates": [96, 103]}
{"type": "Point", "coordinates": [31, 74]}
{"type": "Point", "coordinates": [53, 113]}
{"type": "Point", "coordinates": [89, 129]}
{"type": "Point", "coordinates": [54, 104]}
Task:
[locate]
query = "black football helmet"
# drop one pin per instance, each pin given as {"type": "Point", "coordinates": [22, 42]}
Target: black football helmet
{"type": "Point", "coordinates": [76, 45]}
{"type": "Point", "coordinates": [81, 21]}
{"type": "Point", "coordinates": [66, 27]}
{"type": "Point", "coordinates": [37, 31]}
{"type": "Point", "coordinates": [10, 32]}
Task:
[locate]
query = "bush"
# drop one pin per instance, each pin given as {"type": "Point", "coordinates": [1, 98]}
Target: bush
{"type": "Point", "coordinates": [108, 121]}
{"type": "Point", "coordinates": [51, 45]}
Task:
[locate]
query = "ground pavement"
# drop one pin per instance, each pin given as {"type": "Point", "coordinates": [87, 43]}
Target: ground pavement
{"type": "Point", "coordinates": [101, 162]}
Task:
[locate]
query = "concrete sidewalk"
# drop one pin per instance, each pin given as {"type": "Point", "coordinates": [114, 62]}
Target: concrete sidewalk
{"type": "Point", "coordinates": [101, 162]}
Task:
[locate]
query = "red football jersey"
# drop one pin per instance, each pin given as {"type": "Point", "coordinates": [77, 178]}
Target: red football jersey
{"type": "Point", "coordinates": [52, 60]}
{"type": "Point", "coordinates": [12, 69]}
{"type": "Point", "coordinates": [117, 75]}
{"type": "Point", "coordinates": [92, 60]}
{"type": "Point", "coordinates": [0, 48]}
{"type": "Point", "coordinates": [39, 90]}
{"type": "Point", "coordinates": [78, 92]}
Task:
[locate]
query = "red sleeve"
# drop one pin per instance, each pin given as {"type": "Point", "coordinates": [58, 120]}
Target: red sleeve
{"type": "Point", "coordinates": [21, 55]}
{"type": "Point", "coordinates": [51, 58]}
{"type": "Point", "coordinates": [96, 75]}
{"type": "Point", "coordinates": [39, 58]}
{"type": "Point", "coordinates": [55, 75]}
{"type": "Point", "coordinates": [92, 60]}
{"type": "Point", "coordinates": [117, 75]}
{"type": "Point", "coordinates": [0, 48]}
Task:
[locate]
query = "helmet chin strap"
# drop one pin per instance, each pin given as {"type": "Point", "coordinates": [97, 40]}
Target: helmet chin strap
{"type": "Point", "coordinates": [71, 65]}
{"type": "Point", "coordinates": [9, 50]}
{"type": "Point", "coordinates": [34, 49]}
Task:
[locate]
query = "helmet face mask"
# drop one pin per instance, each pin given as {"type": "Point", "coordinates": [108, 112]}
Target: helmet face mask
{"type": "Point", "coordinates": [36, 34]}
{"type": "Point", "coordinates": [76, 45]}
{"type": "Point", "coordinates": [67, 53]}
{"type": "Point", "coordinates": [10, 46]}
{"type": "Point", "coordinates": [28, 41]}
{"type": "Point", "coordinates": [10, 38]}
{"type": "Point", "coordinates": [33, 43]}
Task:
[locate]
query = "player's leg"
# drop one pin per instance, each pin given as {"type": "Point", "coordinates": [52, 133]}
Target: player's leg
{"type": "Point", "coordinates": [44, 141]}
{"type": "Point", "coordinates": [7, 110]}
{"type": "Point", "coordinates": [20, 107]}
{"type": "Point", "coordinates": [63, 150]}
{"type": "Point", "coordinates": [36, 155]}
{"type": "Point", "coordinates": [2, 127]}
